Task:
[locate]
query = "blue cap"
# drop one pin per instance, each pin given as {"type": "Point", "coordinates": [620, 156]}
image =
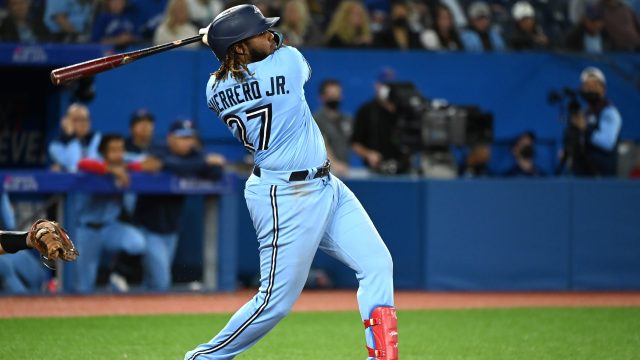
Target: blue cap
{"type": "Point", "coordinates": [183, 128]}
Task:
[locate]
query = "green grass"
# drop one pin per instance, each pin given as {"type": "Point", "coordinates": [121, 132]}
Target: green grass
{"type": "Point", "coordinates": [611, 333]}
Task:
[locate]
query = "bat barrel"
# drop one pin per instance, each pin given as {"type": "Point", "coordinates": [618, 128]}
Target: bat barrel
{"type": "Point", "coordinates": [87, 68]}
{"type": "Point", "coordinates": [92, 67]}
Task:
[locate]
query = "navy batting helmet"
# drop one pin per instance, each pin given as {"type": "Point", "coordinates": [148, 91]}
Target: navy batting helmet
{"type": "Point", "coordinates": [236, 24]}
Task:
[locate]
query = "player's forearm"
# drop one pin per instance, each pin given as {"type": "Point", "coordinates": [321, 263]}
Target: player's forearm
{"type": "Point", "coordinates": [360, 149]}
{"type": "Point", "coordinates": [13, 241]}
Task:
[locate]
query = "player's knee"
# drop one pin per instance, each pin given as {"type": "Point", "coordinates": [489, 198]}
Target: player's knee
{"type": "Point", "coordinates": [381, 265]}
{"type": "Point", "coordinates": [279, 311]}
{"type": "Point", "coordinates": [378, 268]}
{"type": "Point", "coordinates": [135, 245]}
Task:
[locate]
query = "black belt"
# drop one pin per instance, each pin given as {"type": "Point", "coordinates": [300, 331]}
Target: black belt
{"type": "Point", "coordinates": [301, 175]}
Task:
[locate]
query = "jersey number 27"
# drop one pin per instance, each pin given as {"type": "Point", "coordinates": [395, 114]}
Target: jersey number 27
{"type": "Point", "coordinates": [263, 113]}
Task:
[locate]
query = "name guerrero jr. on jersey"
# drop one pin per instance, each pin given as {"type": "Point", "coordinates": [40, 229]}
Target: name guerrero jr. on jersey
{"type": "Point", "coordinates": [246, 91]}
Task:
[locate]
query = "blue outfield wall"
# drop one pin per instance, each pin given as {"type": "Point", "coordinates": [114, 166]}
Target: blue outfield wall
{"type": "Point", "coordinates": [497, 235]}
{"type": "Point", "coordinates": [502, 235]}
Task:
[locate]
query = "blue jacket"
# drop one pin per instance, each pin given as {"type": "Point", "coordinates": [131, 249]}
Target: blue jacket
{"type": "Point", "coordinates": [162, 213]}
{"type": "Point", "coordinates": [599, 155]}
{"type": "Point", "coordinates": [472, 42]}
{"type": "Point", "coordinates": [7, 216]}
{"type": "Point", "coordinates": [67, 151]}
{"type": "Point", "coordinates": [109, 25]}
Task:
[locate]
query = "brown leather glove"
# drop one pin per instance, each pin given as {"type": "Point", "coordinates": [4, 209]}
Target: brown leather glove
{"type": "Point", "coordinates": [52, 242]}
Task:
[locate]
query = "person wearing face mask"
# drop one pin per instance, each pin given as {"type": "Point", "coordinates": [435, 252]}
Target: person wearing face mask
{"type": "Point", "coordinates": [374, 128]}
{"type": "Point", "coordinates": [334, 125]}
{"type": "Point", "coordinates": [398, 35]}
{"type": "Point", "coordinates": [524, 153]}
{"type": "Point", "coordinates": [597, 129]}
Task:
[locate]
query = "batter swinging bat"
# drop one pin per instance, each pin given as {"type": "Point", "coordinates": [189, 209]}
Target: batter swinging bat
{"type": "Point", "coordinates": [88, 68]}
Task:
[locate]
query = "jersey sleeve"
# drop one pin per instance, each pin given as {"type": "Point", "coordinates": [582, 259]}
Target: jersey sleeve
{"type": "Point", "coordinates": [606, 135]}
{"type": "Point", "coordinates": [298, 64]}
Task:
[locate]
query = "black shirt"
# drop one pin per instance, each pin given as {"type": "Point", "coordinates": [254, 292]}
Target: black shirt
{"type": "Point", "coordinates": [161, 213]}
{"type": "Point", "coordinates": [375, 128]}
{"type": "Point", "coordinates": [386, 40]}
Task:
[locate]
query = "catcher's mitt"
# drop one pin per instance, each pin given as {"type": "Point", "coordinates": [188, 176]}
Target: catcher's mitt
{"type": "Point", "coordinates": [52, 242]}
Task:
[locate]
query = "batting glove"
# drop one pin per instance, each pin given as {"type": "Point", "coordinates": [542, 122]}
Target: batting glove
{"type": "Point", "coordinates": [204, 32]}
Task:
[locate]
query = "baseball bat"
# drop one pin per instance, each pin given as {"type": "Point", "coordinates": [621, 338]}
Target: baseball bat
{"type": "Point", "coordinates": [88, 68]}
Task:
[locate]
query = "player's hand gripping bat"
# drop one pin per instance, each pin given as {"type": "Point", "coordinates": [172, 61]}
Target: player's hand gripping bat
{"type": "Point", "coordinates": [88, 68]}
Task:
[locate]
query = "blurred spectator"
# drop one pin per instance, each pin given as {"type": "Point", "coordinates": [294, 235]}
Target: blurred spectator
{"type": "Point", "coordinates": [622, 24]}
{"type": "Point", "coordinates": [158, 216]}
{"type": "Point", "coordinates": [69, 20]}
{"type": "Point", "coordinates": [9, 279]}
{"type": "Point", "coordinates": [589, 35]}
{"type": "Point", "coordinates": [137, 145]}
{"type": "Point", "coordinates": [22, 272]}
{"type": "Point", "coordinates": [527, 35]}
{"type": "Point", "coordinates": [76, 141]}
{"type": "Point", "coordinates": [398, 35]}
{"type": "Point", "coordinates": [334, 125]}
{"type": "Point", "coordinates": [635, 5]}
{"type": "Point", "coordinates": [202, 12]}
{"type": "Point", "coordinates": [444, 35]}
{"type": "Point", "coordinates": [591, 140]}
{"type": "Point", "coordinates": [20, 27]}
{"type": "Point", "coordinates": [481, 35]}
{"type": "Point", "coordinates": [373, 133]}
{"type": "Point", "coordinates": [141, 128]}
{"type": "Point", "coordinates": [476, 162]}
{"type": "Point", "coordinates": [524, 153]}
{"type": "Point", "coordinates": [349, 26]}
{"type": "Point", "coordinates": [457, 10]}
{"type": "Point", "coordinates": [99, 228]}
{"type": "Point", "coordinates": [147, 16]}
{"type": "Point", "coordinates": [297, 27]}
{"type": "Point", "coordinates": [176, 24]}
{"type": "Point", "coordinates": [269, 8]}
{"type": "Point", "coordinates": [113, 25]}
{"type": "Point", "coordinates": [7, 215]}
{"type": "Point", "coordinates": [577, 9]}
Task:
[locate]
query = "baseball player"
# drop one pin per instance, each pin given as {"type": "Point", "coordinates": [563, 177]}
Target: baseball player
{"type": "Point", "coordinates": [295, 203]}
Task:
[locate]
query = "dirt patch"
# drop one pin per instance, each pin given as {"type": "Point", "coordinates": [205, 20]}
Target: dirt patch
{"type": "Point", "coordinates": [309, 301]}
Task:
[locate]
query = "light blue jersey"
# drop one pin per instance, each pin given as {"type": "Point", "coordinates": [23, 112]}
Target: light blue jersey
{"type": "Point", "coordinates": [296, 207]}
{"type": "Point", "coordinates": [268, 112]}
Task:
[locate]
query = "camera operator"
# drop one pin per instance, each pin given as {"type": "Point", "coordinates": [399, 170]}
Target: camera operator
{"type": "Point", "coordinates": [592, 136]}
{"type": "Point", "coordinates": [375, 137]}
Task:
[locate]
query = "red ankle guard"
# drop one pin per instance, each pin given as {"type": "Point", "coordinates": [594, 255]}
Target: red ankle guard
{"type": "Point", "coordinates": [384, 326]}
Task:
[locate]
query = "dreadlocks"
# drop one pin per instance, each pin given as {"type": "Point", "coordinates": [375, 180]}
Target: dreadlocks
{"type": "Point", "coordinates": [232, 64]}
